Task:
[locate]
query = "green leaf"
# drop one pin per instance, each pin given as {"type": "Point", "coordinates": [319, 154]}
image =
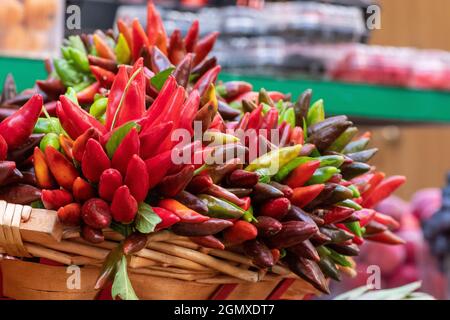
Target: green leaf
{"type": "Point", "coordinates": [122, 50]}
{"type": "Point", "coordinates": [122, 287]}
{"type": "Point", "coordinates": [123, 229]}
{"type": "Point", "coordinates": [159, 79]}
{"type": "Point", "coordinates": [118, 135]}
{"type": "Point", "coordinates": [146, 219]}
{"type": "Point", "coordinates": [109, 266]}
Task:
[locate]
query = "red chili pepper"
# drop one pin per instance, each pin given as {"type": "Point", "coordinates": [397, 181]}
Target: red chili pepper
{"type": "Point", "coordinates": [302, 174]}
{"type": "Point", "coordinates": [189, 110]}
{"type": "Point", "coordinates": [80, 119]}
{"type": "Point", "coordinates": [190, 41]}
{"type": "Point", "coordinates": [247, 202]}
{"type": "Point", "coordinates": [386, 237]}
{"type": "Point", "coordinates": [55, 199]}
{"type": "Point", "coordinates": [51, 108]}
{"type": "Point", "coordinates": [160, 103]}
{"type": "Point", "coordinates": [200, 183]}
{"type": "Point", "coordinates": [304, 195]}
{"type": "Point", "coordinates": [255, 119]}
{"type": "Point", "coordinates": [102, 48]}
{"type": "Point", "coordinates": [383, 190]}
{"type": "Point", "coordinates": [372, 183]}
{"type": "Point", "coordinates": [206, 80]}
{"type": "Point", "coordinates": [240, 232]}
{"type": "Point", "coordinates": [66, 145]}
{"type": "Point", "coordinates": [155, 27]}
{"type": "Point", "coordinates": [70, 214]}
{"type": "Point", "coordinates": [134, 101]}
{"type": "Point", "coordinates": [126, 31]}
{"type": "Point", "coordinates": [177, 50]}
{"type": "Point", "coordinates": [364, 216]}
{"type": "Point", "coordinates": [356, 239]}
{"type": "Point", "coordinates": [270, 121]}
{"type": "Point", "coordinates": [386, 220]}
{"type": "Point", "coordinates": [16, 128]}
{"type": "Point", "coordinates": [250, 96]}
{"type": "Point", "coordinates": [168, 218]}
{"type": "Point", "coordinates": [115, 95]}
{"type": "Point", "coordinates": [276, 95]}
{"type": "Point", "coordinates": [124, 206]}
{"type": "Point", "coordinates": [184, 213]}
{"type": "Point", "coordinates": [82, 190]}
{"type": "Point", "coordinates": [67, 125]}
{"type": "Point", "coordinates": [204, 46]}
{"type": "Point", "coordinates": [110, 181]}
{"type": "Point", "coordinates": [87, 95]}
{"type": "Point", "coordinates": [297, 136]}
{"type": "Point", "coordinates": [172, 185]}
{"type": "Point", "coordinates": [79, 146]}
{"type": "Point", "coordinates": [151, 139]}
{"type": "Point", "coordinates": [62, 169]}
{"type": "Point", "coordinates": [43, 176]}
{"type": "Point", "coordinates": [220, 192]}
{"type": "Point", "coordinates": [51, 87]}
{"type": "Point", "coordinates": [275, 208]}
{"type": "Point", "coordinates": [140, 39]}
{"type": "Point", "coordinates": [129, 146]}
{"type": "Point", "coordinates": [158, 166]}
{"type": "Point", "coordinates": [337, 214]}
{"type": "Point", "coordinates": [103, 76]}
{"type": "Point", "coordinates": [137, 178]}
{"type": "Point", "coordinates": [94, 161]}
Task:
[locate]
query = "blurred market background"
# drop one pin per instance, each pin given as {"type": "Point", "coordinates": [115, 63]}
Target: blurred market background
{"type": "Point", "coordinates": [393, 80]}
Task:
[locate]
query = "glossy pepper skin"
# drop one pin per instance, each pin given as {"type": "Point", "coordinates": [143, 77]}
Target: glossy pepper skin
{"type": "Point", "coordinates": [62, 169]}
{"type": "Point", "coordinates": [82, 190]}
{"type": "Point", "coordinates": [110, 181]}
{"type": "Point", "coordinates": [185, 214]}
{"type": "Point", "coordinates": [55, 199]}
{"type": "Point", "coordinates": [137, 178]}
{"type": "Point", "coordinates": [41, 170]}
{"type": "Point", "coordinates": [16, 128]}
{"type": "Point", "coordinates": [124, 206]}
{"type": "Point", "coordinates": [302, 174]}
{"type": "Point", "coordinates": [172, 185]}
{"type": "Point", "coordinates": [129, 146]}
{"type": "Point", "coordinates": [240, 232]}
{"type": "Point", "coordinates": [304, 195]}
{"type": "Point", "coordinates": [79, 145]}
{"type": "Point", "coordinates": [70, 214]}
{"type": "Point", "coordinates": [94, 161]}
{"type": "Point", "coordinates": [168, 218]}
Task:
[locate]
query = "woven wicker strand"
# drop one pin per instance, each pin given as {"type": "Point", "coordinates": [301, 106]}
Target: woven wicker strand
{"type": "Point", "coordinates": [11, 215]}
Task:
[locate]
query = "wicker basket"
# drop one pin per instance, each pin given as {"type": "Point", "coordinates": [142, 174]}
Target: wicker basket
{"type": "Point", "coordinates": [171, 267]}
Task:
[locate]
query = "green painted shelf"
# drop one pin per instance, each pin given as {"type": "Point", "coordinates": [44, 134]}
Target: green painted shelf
{"type": "Point", "coordinates": [357, 100]}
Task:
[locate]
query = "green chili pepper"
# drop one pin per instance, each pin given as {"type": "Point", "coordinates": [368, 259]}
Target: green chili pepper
{"type": "Point", "coordinates": [275, 159]}
{"type": "Point", "coordinates": [350, 204]}
{"type": "Point", "coordinates": [72, 95]}
{"type": "Point", "coordinates": [75, 42]}
{"type": "Point", "coordinates": [289, 117]}
{"type": "Point", "coordinates": [355, 228]}
{"type": "Point", "coordinates": [82, 85]}
{"type": "Point", "coordinates": [98, 108]}
{"type": "Point", "coordinates": [65, 53]}
{"type": "Point", "coordinates": [50, 139]}
{"type": "Point", "coordinates": [322, 175]}
{"type": "Point", "coordinates": [79, 59]}
{"type": "Point", "coordinates": [218, 208]}
{"type": "Point", "coordinates": [44, 125]}
{"type": "Point", "coordinates": [339, 258]}
{"type": "Point", "coordinates": [265, 108]}
{"type": "Point", "coordinates": [122, 50]}
{"type": "Point", "coordinates": [290, 166]}
{"type": "Point", "coordinates": [339, 144]}
{"type": "Point", "coordinates": [316, 113]}
{"type": "Point", "coordinates": [68, 75]}
{"type": "Point", "coordinates": [280, 106]}
{"type": "Point", "coordinates": [248, 215]}
{"type": "Point", "coordinates": [356, 193]}
{"type": "Point", "coordinates": [356, 146]}
{"type": "Point", "coordinates": [331, 161]}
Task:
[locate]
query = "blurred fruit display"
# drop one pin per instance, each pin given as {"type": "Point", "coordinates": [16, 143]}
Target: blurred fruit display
{"type": "Point", "coordinates": [30, 28]}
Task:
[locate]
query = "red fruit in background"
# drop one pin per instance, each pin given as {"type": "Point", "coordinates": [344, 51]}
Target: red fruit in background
{"type": "Point", "coordinates": [70, 214]}
{"type": "Point", "coordinates": [394, 207]}
{"type": "Point", "coordinates": [96, 213]}
{"type": "Point", "coordinates": [405, 274]}
{"type": "Point", "coordinates": [55, 199]}
{"type": "Point", "coordinates": [137, 178]}
{"type": "Point", "coordinates": [426, 202]}
{"type": "Point", "coordinates": [94, 161]}
{"type": "Point", "coordinates": [124, 206]}
{"type": "Point", "coordinates": [388, 258]}
{"type": "Point", "coordinates": [414, 245]}
{"type": "Point", "coordinates": [110, 181]}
